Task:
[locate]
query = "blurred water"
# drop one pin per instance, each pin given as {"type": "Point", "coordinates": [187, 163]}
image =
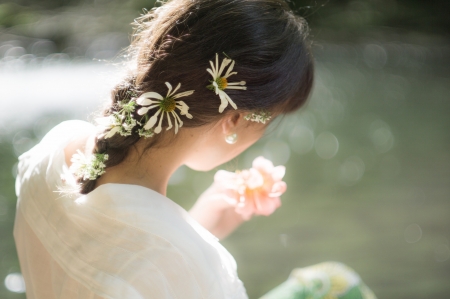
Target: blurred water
{"type": "Point", "coordinates": [30, 91]}
{"type": "Point", "coordinates": [367, 164]}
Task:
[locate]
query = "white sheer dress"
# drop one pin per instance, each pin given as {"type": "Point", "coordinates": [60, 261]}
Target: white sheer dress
{"type": "Point", "coordinates": [119, 241]}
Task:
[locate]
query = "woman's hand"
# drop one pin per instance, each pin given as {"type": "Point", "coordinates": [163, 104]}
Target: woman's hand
{"type": "Point", "coordinates": [235, 197]}
{"type": "Point", "coordinates": [215, 212]}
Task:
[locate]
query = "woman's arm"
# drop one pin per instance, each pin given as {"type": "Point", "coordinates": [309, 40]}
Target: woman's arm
{"type": "Point", "coordinates": [215, 213]}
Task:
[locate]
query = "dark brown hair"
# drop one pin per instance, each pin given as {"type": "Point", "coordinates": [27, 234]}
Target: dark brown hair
{"type": "Point", "coordinates": [175, 42]}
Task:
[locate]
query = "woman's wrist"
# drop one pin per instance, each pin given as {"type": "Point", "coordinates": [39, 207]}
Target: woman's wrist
{"type": "Point", "coordinates": [215, 213]}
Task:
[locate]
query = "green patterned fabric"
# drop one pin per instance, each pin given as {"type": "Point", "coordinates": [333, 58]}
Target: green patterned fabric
{"type": "Point", "coordinates": [329, 280]}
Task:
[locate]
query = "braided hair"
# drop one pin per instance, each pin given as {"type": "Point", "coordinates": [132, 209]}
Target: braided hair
{"type": "Point", "coordinates": [175, 42]}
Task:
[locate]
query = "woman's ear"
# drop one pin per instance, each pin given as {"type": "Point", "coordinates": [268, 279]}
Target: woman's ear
{"type": "Point", "coordinates": [230, 122]}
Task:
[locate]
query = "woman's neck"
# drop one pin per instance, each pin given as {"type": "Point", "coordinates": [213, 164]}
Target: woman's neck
{"type": "Point", "coordinates": [150, 168]}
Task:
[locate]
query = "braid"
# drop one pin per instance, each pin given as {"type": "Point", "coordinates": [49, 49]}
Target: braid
{"type": "Point", "coordinates": [264, 47]}
{"type": "Point", "coordinates": [117, 146]}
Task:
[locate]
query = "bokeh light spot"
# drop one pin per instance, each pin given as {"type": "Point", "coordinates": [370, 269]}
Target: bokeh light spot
{"type": "Point", "coordinates": [301, 139]}
{"type": "Point", "coordinates": [22, 142]}
{"type": "Point", "coordinates": [413, 233]}
{"type": "Point", "coordinates": [43, 48]}
{"type": "Point", "coordinates": [277, 151]}
{"type": "Point", "coordinates": [327, 145]}
{"type": "Point", "coordinates": [351, 171]}
{"type": "Point", "coordinates": [381, 136]}
{"type": "Point", "coordinates": [284, 240]}
{"type": "Point", "coordinates": [442, 253]}
{"type": "Point", "coordinates": [375, 56]}
{"type": "Point", "coordinates": [15, 52]}
{"type": "Point", "coordinates": [14, 282]}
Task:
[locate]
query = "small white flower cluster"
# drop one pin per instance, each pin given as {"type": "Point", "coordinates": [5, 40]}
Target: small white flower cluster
{"type": "Point", "coordinates": [259, 117]}
{"type": "Point", "coordinates": [88, 168]}
{"type": "Point", "coordinates": [122, 121]}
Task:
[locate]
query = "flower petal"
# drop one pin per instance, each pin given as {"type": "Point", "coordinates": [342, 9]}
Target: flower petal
{"type": "Point", "coordinates": [254, 179]}
{"type": "Point", "coordinates": [180, 122]}
{"type": "Point", "coordinates": [184, 108]}
{"type": "Point", "coordinates": [232, 103]}
{"type": "Point", "coordinates": [183, 94]}
{"type": "Point", "coordinates": [225, 62]}
{"type": "Point", "coordinates": [262, 164]}
{"type": "Point", "coordinates": [216, 87]}
{"type": "Point", "coordinates": [144, 110]}
{"type": "Point", "coordinates": [159, 127]}
{"type": "Point", "coordinates": [229, 100]}
{"type": "Point", "coordinates": [213, 69]}
{"type": "Point", "coordinates": [228, 73]}
{"type": "Point", "coordinates": [175, 120]}
{"type": "Point", "coordinates": [213, 74]}
{"type": "Point", "coordinates": [169, 87]}
{"type": "Point", "coordinates": [278, 189]}
{"type": "Point", "coordinates": [237, 83]}
{"type": "Point", "coordinates": [278, 173]}
{"type": "Point", "coordinates": [146, 101]}
{"type": "Point", "coordinates": [236, 87]}
{"type": "Point", "coordinates": [224, 101]}
{"type": "Point", "coordinates": [152, 121]}
{"type": "Point", "coordinates": [112, 132]}
{"type": "Point", "coordinates": [176, 88]}
{"type": "Point", "coordinates": [149, 95]}
{"type": "Point", "coordinates": [170, 121]}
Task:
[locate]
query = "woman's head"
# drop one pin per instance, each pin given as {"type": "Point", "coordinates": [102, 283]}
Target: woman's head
{"type": "Point", "coordinates": [268, 42]}
{"type": "Point", "coordinates": [176, 42]}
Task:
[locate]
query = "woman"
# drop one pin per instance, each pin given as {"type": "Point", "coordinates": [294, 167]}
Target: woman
{"type": "Point", "coordinates": [206, 78]}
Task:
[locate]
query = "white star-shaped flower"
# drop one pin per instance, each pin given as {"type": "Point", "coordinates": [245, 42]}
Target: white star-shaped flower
{"type": "Point", "coordinates": [167, 106]}
{"type": "Point", "coordinates": [220, 82]}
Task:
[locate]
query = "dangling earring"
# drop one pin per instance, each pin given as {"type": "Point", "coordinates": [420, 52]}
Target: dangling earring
{"type": "Point", "coordinates": [231, 139]}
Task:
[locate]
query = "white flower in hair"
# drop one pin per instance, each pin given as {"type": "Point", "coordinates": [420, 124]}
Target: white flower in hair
{"type": "Point", "coordinates": [261, 116]}
{"type": "Point", "coordinates": [166, 105]}
{"type": "Point", "coordinates": [88, 168]}
{"type": "Point", "coordinates": [121, 122]}
{"type": "Point", "coordinates": [111, 123]}
{"type": "Point", "coordinates": [220, 82]}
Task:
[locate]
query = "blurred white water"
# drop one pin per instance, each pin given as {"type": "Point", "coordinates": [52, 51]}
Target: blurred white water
{"type": "Point", "coordinates": [75, 88]}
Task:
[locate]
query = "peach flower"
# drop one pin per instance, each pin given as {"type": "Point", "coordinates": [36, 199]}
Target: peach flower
{"type": "Point", "coordinates": [253, 191]}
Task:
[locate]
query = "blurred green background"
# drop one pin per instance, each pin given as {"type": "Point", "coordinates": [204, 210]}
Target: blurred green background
{"type": "Point", "coordinates": [368, 161]}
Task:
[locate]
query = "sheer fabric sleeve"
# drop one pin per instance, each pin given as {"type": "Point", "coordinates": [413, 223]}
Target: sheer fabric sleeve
{"type": "Point", "coordinates": [118, 241]}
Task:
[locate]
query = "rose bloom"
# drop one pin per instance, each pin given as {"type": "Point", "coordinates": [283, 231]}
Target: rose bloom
{"type": "Point", "coordinates": [253, 191]}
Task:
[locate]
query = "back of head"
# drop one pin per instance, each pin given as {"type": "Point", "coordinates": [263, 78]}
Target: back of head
{"type": "Point", "coordinates": [176, 42]}
{"type": "Point", "coordinates": [267, 41]}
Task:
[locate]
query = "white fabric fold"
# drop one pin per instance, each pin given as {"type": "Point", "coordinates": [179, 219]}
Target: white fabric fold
{"type": "Point", "coordinates": [118, 241]}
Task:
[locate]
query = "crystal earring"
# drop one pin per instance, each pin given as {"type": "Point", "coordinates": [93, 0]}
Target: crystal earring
{"type": "Point", "coordinates": [231, 139]}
